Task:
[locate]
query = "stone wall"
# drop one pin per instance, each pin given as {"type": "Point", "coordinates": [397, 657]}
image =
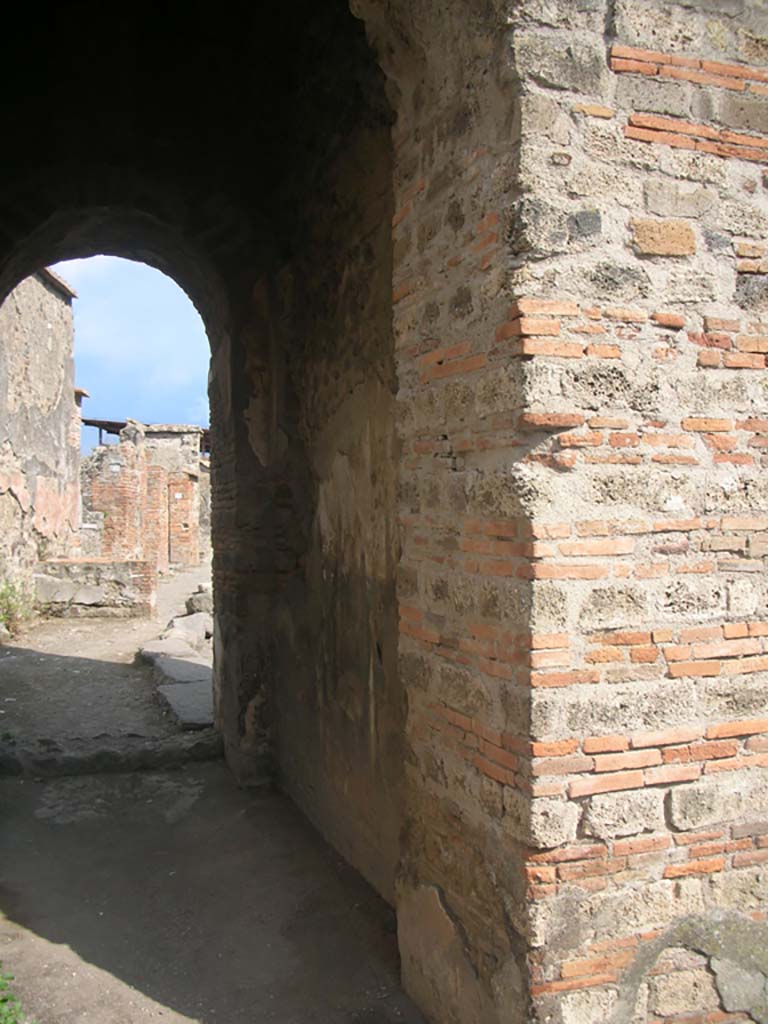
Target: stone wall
{"type": "Point", "coordinates": [39, 426]}
{"type": "Point", "coordinates": [87, 588]}
{"type": "Point", "coordinates": [527, 420]}
{"type": "Point", "coordinates": [640, 315]}
{"type": "Point", "coordinates": [320, 414]}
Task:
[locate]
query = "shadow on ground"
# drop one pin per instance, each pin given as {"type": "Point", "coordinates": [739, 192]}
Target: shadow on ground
{"type": "Point", "coordinates": [215, 904]}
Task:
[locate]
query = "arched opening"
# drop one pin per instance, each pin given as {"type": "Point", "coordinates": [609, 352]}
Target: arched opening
{"type": "Point", "coordinates": [258, 176]}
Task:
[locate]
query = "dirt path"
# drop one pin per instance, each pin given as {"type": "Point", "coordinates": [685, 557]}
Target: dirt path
{"type": "Point", "coordinates": [171, 895]}
{"type": "Point", "coordinates": [71, 697]}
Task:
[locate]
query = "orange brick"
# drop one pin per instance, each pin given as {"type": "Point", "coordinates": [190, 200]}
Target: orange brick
{"type": "Point", "coordinates": [630, 759]}
{"type": "Point", "coordinates": [606, 784]}
{"type": "Point", "coordinates": [567, 853]}
{"type": "Point", "coordinates": [665, 737]}
{"type": "Point", "coordinates": [744, 727]}
{"type": "Point", "coordinates": [624, 440]}
{"type": "Point", "coordinates": [678, 652]}
{"type": "Point", "coordinates": [604, 351]}
{"type": "Point", "coordinates": [667, 774]}
{"type": "Point", "coordinates": [563, 678]}
{"type": "Point", "coordinates": [707, 424]}
{"type": "Point", "coordinates": [540, 873]}
{"type": "Point", "coordinates": [619, 546]}
{"type": "Point", "coordinates": [614, 423]}
{"type": "Point", "coordinates": [625, 847]}
{"type": "Point", "coordinates": [743, 361]}
{"type": "Point", "coordinates": [743, 860]}
{"type": "Point", "coordinates": [552, 307]}
{"type": "Point", "coordinates": [726, 649]}
{"type": "Point", "coordinates": [605, 655]}
{"type": "Point", "coordinates": [701, 751]}
{"type": "Point", "coordinates": [590, 869]}
{"type": "Point", "coordinates": [550, 420]}
{"type": "Point", "coordinates": [653, 56]}
{"type": "Point", "coordinates": [439, 355]}
{"type": "Point", "coordinates": [675, 139]}
{"type": "Point", "coordinates": [744, 523]}
{"type": "Point", "coordinates": [639, 67]}
{"type": "Point", "coordinates": [629, 638]}
{"type": "Point", "coordinates": [673, 320]}
{"type": "Point", "coordinates": [541, 641]}
{"type": "Point", "coordinates": [644, 655]}
{"type": "Point", "coordinates": [735, 630]}
{"type": "Point", "coordinates": [694, 668]}
{"type": "Point", "coordinates": [593, 110]}
{"type": "Point", "coordinates": [592, 438]}
{"type": "Point", "coordinates": [557, 748]}
{"type": "Point", "coordinates": [709, 357]}
{"type": "Point", "coordinates": [708, 866]}
{"type": "Point", "coordinates": [572, 984]}
{"type": "Point", "coordinates": [689, 838]}
{"type": "Point", "coordinates": [605, 744]}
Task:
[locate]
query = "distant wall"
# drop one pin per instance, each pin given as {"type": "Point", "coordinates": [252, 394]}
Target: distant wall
{"type": "Point", "coordinates": [39, 427]}
{"type": "Point", "coordinates": [141, 497]}
{"type": "Point", "coordinates": [77, 588]}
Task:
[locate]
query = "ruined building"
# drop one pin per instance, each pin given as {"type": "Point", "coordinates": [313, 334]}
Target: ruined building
{"type": "Point", "coordinates": [487, 295]}
{"type": "Point", "coordinates": [147, 496]}
{"type": "Point", "coordinates": [40, 442]}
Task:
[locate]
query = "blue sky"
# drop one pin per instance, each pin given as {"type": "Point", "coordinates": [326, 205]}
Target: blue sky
{"type": "Point", "coordinates": [140, 347]}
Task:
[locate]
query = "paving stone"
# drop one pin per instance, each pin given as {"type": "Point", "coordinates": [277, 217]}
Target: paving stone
{"type": "Point", "coordinates": [191, 703]}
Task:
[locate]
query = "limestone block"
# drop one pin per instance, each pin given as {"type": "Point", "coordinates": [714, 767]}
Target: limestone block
{"type": "Point", "coordinates": [712, 801]}
{"type": "Point", "coordinates": [663, 237]}
{"type": "Point", "coordinates": [624, 814]}
{"type": "Point", "coordinates": [683, 992]}
{"type": "Point", "coordinates": [587, 1007]}
{"type": "Point", "coordinates": [578, 65]}
{"type": "Point", "coordinates": [739, 989]}
{"type": "Point", "coordinates": [678, 199]}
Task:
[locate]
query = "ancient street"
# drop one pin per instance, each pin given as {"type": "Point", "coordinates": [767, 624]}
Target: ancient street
{"type": "Point", "coordinates": [166, 895]}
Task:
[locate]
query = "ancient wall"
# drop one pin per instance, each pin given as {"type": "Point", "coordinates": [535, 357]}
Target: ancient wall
{"type": "Point", "coordinates": [558, 769]}
{"type": "Point", "coordinates": [141, 498]}
{"type": "Point", "coordinates": [640, 315]}
{"type": "Point", "coordinates": [98, 587]}
{"type": "Point", "coordinates": [323, 346]}
{"type": "Point", "coordinates": [39, 426]}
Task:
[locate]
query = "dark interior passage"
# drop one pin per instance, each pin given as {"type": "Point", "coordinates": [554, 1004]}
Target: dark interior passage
{"type": "Point", "coordinates": [247, 154]}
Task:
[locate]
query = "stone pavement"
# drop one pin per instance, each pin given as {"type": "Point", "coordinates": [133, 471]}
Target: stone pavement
{"type": "Point", "coordinates": [168, 895]}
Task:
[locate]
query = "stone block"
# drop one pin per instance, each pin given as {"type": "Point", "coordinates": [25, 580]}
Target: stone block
{"type": "Point", "coordinates": [715, 801]}
{"type": "Point", "coordinates": [623, 814]}
{"type": "Point", "coordinates": [683, 992]}
{"type": "Point", "coordinates": [678, 198]}
{"type": "Point", "coordinates": [562, 63]}
{"type": "Point", "coordinates": [200, 601]}
{"type": "Point", "coordinates": [587, 1007]}
{"type": "Point", "coordinates": [744, 113]}
{"type": "Point", "coordinates": [663, 237]}
{"type": "Point", "coordinates": [739, 989]}
{"type": "Point", "coordinates": [653, 96]}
